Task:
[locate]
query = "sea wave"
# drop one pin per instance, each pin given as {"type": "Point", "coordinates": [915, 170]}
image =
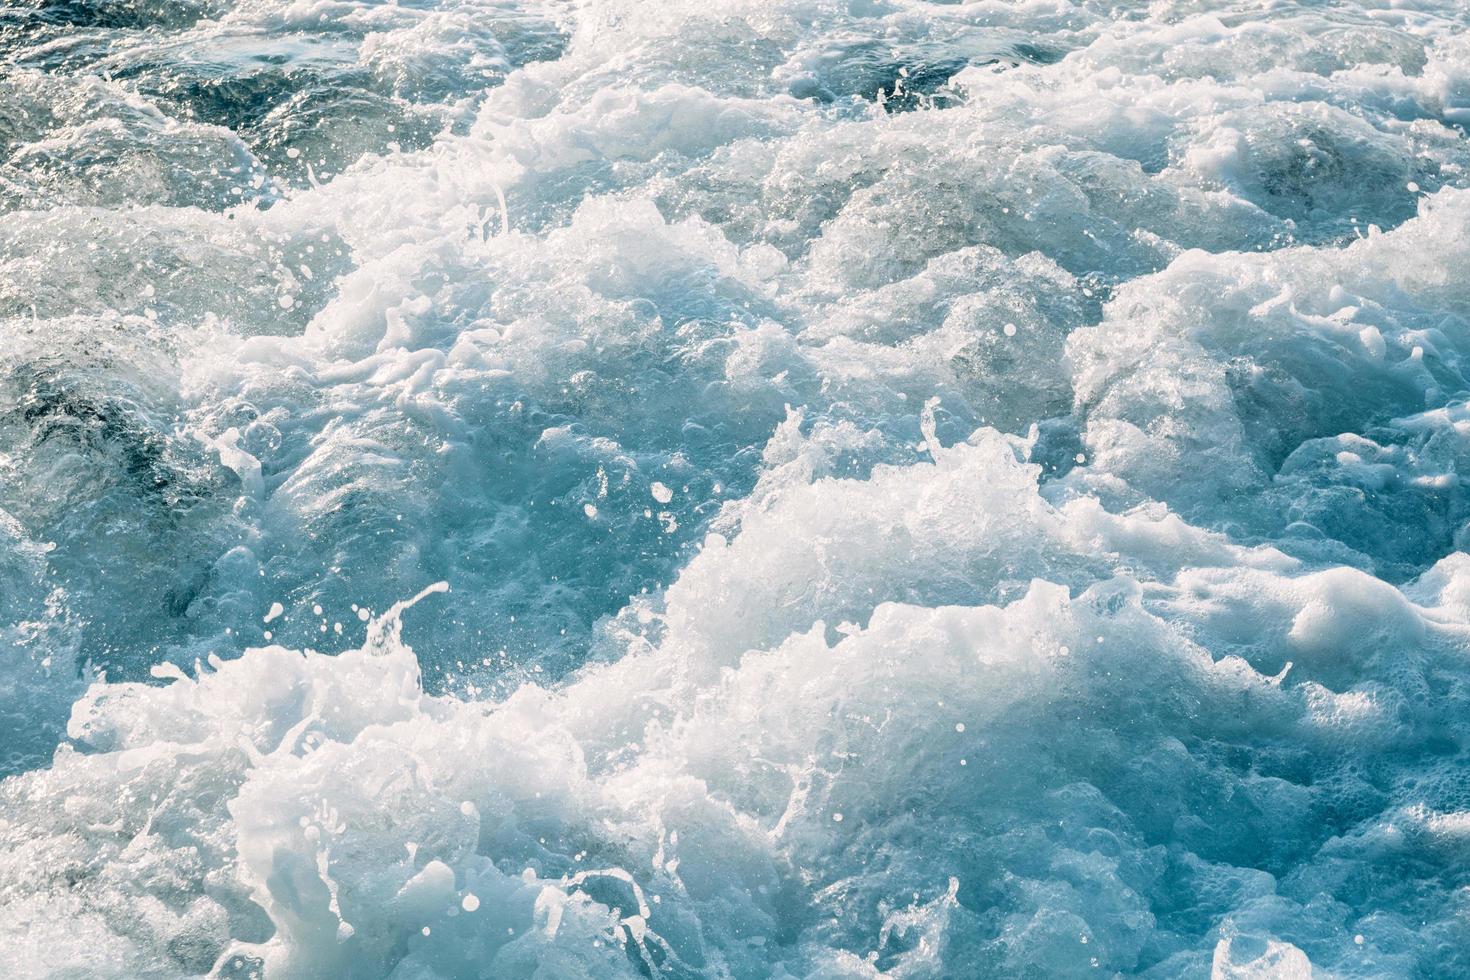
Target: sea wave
{"type": "Point", "coordinates": [893, 488]}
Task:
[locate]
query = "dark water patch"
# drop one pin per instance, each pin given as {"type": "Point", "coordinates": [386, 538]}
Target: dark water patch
{"type": "Point", "coordinates": [902, 80]}
{"type": "Point", "coordinates": [124, 14]}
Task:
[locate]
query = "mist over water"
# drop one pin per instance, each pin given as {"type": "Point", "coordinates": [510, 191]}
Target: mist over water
{"type": "Point", "coordinates": [893, 489]}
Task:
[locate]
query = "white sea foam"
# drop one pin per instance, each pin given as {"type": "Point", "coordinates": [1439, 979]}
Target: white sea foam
{"type": "Point", "coordinates": [928, 490]}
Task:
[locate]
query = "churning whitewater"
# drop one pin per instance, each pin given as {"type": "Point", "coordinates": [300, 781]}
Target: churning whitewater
{"type": "Point", "coordinates": [892, 489]}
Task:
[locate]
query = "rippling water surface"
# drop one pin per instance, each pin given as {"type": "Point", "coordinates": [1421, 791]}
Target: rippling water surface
{"type": "Point", "coordinates": [922, 490]}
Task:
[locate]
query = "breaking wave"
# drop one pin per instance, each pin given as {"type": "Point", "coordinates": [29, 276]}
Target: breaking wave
{"type": "Point", "coordinates": [893, 489]}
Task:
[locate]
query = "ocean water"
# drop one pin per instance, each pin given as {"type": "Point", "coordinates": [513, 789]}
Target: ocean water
{"type": "Point", "coordinates": [741, 489]}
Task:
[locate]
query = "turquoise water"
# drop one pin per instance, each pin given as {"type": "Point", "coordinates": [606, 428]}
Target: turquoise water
{"type": "Point", "coordinates": [893, 488]}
